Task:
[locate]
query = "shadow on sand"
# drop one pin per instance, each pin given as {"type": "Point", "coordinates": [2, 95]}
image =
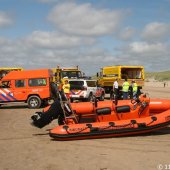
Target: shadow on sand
{"type": "Point", "coordinates": [160, 132]}
{"type": "Point", "coordinates": [13, 107]}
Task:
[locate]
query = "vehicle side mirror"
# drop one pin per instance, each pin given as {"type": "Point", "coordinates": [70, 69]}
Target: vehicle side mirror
{"type": "Point", "coordinates": [97, 74]}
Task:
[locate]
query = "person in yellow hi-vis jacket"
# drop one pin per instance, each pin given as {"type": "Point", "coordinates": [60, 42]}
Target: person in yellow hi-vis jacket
{"type": "Point", "coordinates": [125, 89]}
{"type": "Point", "coordinates": [134, 89]}
{"type": "Point", "coordinates": [66, 88]}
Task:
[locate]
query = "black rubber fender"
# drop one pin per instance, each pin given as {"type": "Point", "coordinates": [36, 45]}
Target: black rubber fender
{"type": "Point", "coordinates": [122, 109]}
{"type": "Point", "coordinates": [103, 111]}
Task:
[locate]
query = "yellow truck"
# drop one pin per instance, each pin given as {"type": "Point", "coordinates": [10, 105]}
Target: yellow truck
{"type": "Point", "coordinates": [6, 70]}
{"type": "Point", "coordinates": [61, 74]}
{"type": "Point", "coordinates": [108, 74]}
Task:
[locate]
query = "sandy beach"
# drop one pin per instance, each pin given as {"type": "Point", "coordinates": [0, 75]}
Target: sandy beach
{"type": "Point", "coordinates": [24, 147]}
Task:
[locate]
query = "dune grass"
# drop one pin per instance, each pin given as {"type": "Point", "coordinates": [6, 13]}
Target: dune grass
{"type": "Point", "coordinates": [159, 76]}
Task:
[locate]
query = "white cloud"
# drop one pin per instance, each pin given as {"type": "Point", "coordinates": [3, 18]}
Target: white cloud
{"type": "Point", "coordinates": [5, 19]}
{"type": "Point", "coordinates": [76, 42]}
{"type": "Point", "coordinates": [83, 19]}
{"type": "Point", "coordinates": [127, 33]}
{"type": "Point", "coordinates": [56, 40]}
{"type": "Point", "coordinates": [154, 56]}
{"type": "Point", "coordinates": [44, 50]}
{"type": "Point", "coordinates": [47, 1]}
{"type": "Point", "coordinates": [53, 1]}
{"type": "Point", "coordinates": [156, 31]}
{"type": "Point", "coordinates": [32, 54]}
{"type": "Point", "coordinates": [4, 41]}
{"type": "Point", "coordinates": [147, 48]}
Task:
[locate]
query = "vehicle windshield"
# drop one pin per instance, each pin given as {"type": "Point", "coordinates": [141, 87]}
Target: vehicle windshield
{"type": "Point", "coordinates": [131, 73]}
{"type": "Point", "coordinates": [91, 83]}
{"type": "Point", "coordinates": [3, 73]}
{"type": "Point", "coordinates": [5, 84]}
{"type": "Point", "coordinates": [76, 85]}
{"type": "Point", "coordinates": [70, 74]}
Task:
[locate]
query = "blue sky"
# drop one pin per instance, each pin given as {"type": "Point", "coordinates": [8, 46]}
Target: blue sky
{"type": "Point", "coordinates": [92, 33]}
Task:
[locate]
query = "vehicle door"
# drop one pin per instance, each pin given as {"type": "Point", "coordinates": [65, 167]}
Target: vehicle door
{"type": "Point", "coordinates": [99, 91]}
{"type": "Point", "coordinates": [76, 88]}
{"type": "Point", "coordinates": [91, 86]}
{"type": "Point", "coordinates": [39, 86]}
{"type": "Point", "coordinates": [20, 91]}
{"type": "Point", "coordinates": [6, 91]}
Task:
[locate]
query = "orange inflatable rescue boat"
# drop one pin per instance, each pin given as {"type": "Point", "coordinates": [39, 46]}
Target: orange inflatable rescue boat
{"type": "Point", "coordinates": [101, 121]}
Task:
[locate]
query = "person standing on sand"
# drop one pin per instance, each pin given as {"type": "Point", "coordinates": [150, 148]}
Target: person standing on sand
{"type": "Point", "coordinates": [164, 84]}
{"type": "Point", "coordinates": [66, 88]}
{"type": "Point", "coordinates": [125, 89]}
{"type": "Point", "coordinates": [134, 89]}
{"type": "Point", "coordinates": [116, 88]}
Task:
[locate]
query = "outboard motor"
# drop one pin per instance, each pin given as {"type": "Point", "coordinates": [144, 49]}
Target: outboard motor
{"type": "Point", "coordinates": [41, 119]}
{"type": "Point", "coordinates": [57, 110]}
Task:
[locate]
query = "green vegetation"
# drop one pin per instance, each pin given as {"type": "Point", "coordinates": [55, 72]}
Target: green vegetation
{"type": "Point", "coordinates": [159, 76]}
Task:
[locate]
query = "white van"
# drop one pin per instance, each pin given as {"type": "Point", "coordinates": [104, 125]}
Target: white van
{"type": "Point", "coordinates": [85, 90]}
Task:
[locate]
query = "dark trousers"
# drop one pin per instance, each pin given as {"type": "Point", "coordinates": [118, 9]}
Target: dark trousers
{"type": "Point", "coordinates": [116, 93]}
{"type": "Point", "coordinates": [125, 95]}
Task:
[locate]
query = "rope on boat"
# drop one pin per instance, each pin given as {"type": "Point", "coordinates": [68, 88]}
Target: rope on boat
{"type": "Point", "coordinates": [112, 124]}
{"type": "Point", "coordinates": [153, 120]}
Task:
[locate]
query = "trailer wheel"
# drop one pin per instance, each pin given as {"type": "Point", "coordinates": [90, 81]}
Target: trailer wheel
{"type": "Point", "coordinates": [34, 102]}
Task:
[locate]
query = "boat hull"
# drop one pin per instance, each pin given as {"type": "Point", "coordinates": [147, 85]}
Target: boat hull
{"type": "Point", "coordinates": [111, 129]}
